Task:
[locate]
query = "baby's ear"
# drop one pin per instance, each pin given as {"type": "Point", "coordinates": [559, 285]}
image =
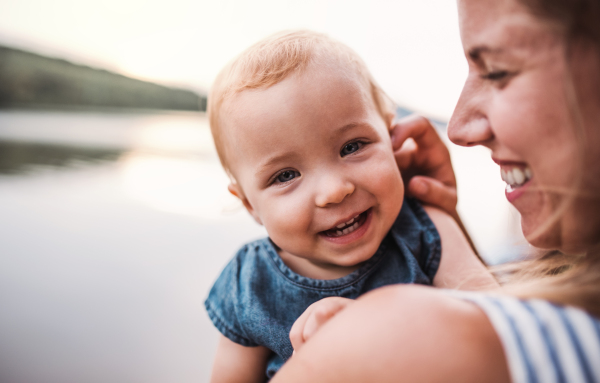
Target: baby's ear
{"type": "Point", "coordinates": [237, 191]}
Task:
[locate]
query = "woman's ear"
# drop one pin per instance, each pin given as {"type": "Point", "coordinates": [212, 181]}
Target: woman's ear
{"type": "Point", "coordinates": [236, 190]}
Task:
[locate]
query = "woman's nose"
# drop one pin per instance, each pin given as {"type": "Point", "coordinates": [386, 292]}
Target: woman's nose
{"type": "Point", "coordinates": [469, 124]}
{"type": "Point", "coordinates": [333, 190]}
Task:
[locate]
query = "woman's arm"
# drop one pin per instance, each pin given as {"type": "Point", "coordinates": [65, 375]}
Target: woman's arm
{"type": "Point", "coordinates": [460, 268]}
{"type": "Point", "coordinates": [235, 363]}
{"type": "Point", "coordinates": [401, 333]}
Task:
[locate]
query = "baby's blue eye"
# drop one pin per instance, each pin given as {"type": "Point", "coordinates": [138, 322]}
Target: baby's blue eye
{"type": "Point", "coordinates": [350, 148]}
{"type": "Point", "coordinates": [287, 175]}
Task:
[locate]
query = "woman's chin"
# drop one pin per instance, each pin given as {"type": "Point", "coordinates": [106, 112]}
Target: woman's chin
{"type": "Point", "coordinates": [539, 233]}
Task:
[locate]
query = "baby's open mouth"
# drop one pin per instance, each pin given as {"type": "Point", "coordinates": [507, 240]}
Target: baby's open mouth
{"type": "Point", "coordinates": [347, 227]}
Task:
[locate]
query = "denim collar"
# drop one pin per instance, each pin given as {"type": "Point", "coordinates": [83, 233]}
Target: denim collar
{"type": "Point", "coordinates": [323, 284]}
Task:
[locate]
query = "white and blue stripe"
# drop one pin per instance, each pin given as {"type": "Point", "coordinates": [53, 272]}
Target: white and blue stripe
{"type": "Point", "coordinates": [543, 343]}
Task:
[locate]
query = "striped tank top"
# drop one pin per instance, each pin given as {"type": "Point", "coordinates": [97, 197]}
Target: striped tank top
{"type": "Point", "coordinates": [543, 342]}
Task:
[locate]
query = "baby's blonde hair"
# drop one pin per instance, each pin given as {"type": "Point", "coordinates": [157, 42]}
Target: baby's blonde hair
{"type": "Point", "coordinates": [273, 59]}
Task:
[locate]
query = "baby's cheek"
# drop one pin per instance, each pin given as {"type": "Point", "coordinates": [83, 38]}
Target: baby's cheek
{"type": "Point", "coordinates": [285, 220]}
{"type": "Point", "coordinates": [385, 184]}
{"type": "Point", "coordinates": [385, 178]}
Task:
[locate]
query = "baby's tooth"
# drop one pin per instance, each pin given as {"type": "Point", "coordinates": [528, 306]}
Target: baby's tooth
{"type": "Point", "coordinates": [340, 225]}
{"type": "Point", "coordinates": [346, 231]}
{"type": "Point", "coordinates": [518, 176]}
{"type": "Point", "coordinates": [503, 174]}
{"type": "Point", "coordinates": [338, 233]}
{"type": "Point", "coordinates": [528, 173]}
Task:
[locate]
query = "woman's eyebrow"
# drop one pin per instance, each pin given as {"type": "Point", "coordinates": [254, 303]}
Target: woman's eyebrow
{"type": "Point", "coordinates": [475, 53]}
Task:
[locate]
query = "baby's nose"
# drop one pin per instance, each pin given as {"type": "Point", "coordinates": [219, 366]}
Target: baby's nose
{"type": "Point", "coordinates": [333, 190]}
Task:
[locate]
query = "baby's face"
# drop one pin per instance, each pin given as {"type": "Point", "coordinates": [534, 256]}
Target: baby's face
{"type": "Point", "coordinates": [314, 164]}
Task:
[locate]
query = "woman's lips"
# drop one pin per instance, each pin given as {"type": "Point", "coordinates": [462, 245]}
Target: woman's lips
{"type": "Point", "coordinates": [350, 231]}
{"type": "Point", "coordinates": [512, 193]}
{"type": "Point", "coordinates": [517, 176]}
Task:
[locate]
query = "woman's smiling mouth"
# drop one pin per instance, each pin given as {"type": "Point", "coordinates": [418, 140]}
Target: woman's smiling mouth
{"type": "Point", "coordinates": [516, 178]}
{"type": "Point", "coordinates": [516, 175]}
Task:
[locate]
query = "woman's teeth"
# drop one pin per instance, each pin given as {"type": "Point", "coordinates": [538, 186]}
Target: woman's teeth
{"type": "Point", "coordinates": [515, 177]}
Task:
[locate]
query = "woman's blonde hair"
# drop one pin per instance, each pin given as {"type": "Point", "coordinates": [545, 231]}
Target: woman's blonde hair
{"type": "Point", "coordinates": [568, 279]}
{"type": "Point", "coordinates": [273, 59]}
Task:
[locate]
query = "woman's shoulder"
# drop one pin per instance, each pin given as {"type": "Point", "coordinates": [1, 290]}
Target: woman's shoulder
{"type": "Point", "coordinates": [424, 334]}
{"type": "Point", "coordinates": [542, 341]}
{"type": "Point", "coordinates": [405, 332]}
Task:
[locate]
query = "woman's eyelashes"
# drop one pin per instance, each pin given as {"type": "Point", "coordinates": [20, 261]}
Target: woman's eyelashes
{"type": "Point", "coordinates": [496, 75]}
{"type": "Point", "coordinates": [351, 147]}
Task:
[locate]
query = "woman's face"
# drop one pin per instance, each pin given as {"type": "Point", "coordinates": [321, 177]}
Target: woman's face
{"type": "Point", "coordinates": [516, 102]}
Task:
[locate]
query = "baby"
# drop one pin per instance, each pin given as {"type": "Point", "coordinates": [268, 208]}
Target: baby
{"type": "Point", "coordinates": [303, 131]}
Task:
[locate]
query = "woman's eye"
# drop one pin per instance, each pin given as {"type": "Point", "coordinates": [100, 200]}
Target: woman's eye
{"type": "Point", "coordinates": [350, 148]}
{"type": "Point", "coordinates": [286, 176]}
{"type": "Point", "coordinates": [495, 76]}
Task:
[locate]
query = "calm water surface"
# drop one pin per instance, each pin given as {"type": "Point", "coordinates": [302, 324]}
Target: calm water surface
{"type": "Point", "coordinates": [114, 226]}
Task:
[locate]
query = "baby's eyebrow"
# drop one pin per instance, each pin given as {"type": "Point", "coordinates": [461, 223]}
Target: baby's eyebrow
{"type": "Point", "coordinates": [347, 127]}
{"type": "Point", "coordinates": [270, 161]}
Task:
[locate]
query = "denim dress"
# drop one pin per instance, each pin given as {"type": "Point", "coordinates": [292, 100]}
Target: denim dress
{"type": "Point", "coordinates": [257, 298]}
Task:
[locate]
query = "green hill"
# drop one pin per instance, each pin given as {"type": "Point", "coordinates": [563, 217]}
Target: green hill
{"type": "Point", "coordinates": [32, 80]}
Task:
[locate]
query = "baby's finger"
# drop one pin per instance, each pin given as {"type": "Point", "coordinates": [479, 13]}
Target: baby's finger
{"type": "Point", "coordinates": [297, 330]}
{"type": "Point", "coordinates": [434, 192]}
{"type": "Point", "coordinates": [322, 313]}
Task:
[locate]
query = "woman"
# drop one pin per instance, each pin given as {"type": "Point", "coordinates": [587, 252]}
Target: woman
{"type": "Point", "coordinates": [532, 97]}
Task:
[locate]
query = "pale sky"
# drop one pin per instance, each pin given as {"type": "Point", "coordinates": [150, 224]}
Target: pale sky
{"type": "Point", "coordinates": [412, 47]}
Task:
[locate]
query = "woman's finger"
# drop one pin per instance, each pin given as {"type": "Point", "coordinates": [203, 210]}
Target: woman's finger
{"type": "Point", "coordinates": [404, 155]}
{"type": "Point", "coordinates": [419, 150]}
{"type": "Point", "coordinates": [418, 128]}
{"type": "Point", "coordinates": [433, 192]}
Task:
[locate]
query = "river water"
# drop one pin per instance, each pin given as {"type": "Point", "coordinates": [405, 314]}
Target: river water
{"type": "Point", "coordinates": [114, 225]}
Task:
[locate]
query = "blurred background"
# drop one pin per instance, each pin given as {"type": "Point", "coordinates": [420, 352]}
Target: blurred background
{"type": "Point", "coordinates": [114, 213]}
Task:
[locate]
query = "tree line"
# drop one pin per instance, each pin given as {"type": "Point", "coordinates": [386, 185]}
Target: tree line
{"type": "Point", "coordinates": [30, 80]}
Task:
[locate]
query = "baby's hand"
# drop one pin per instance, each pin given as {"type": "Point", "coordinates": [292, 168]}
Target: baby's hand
{"type": "Point", "coordinates": [314, 317]}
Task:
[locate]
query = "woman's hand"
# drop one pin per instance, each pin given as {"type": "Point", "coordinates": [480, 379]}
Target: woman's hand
{"type": "Point", "coordinates": [315, 316]}
{"type": "Point", "coordinates": [424, 161]}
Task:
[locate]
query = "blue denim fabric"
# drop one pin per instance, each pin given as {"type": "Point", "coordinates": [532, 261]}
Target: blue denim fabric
{"type": "Point", "coordinates": [257, 298]}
